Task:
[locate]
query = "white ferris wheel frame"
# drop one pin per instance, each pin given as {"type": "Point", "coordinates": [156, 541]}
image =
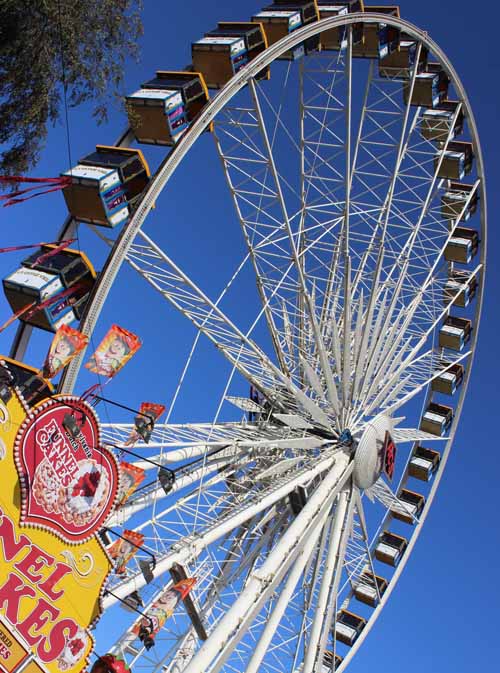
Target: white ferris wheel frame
{"type": "Point", "coordinates": [130, 233]}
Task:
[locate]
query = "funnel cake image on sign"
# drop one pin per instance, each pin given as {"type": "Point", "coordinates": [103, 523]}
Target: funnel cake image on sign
{"type": "Point", "coordinates": [114, 351]}
{"type": "Point", "coordinates": [68, 481]}
{"type": "Point", "coordinates": [74, 649]}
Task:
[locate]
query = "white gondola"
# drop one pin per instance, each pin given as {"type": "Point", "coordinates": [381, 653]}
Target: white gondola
{"type": "Point", "coordinates": [369, 588]}
{"type": "Point", "coordinates": [424, 463]}
{"type": "Point", "coordinates": [455, 333]}
{"type": "Point", "coordinates": [456, 202]}
{"type": "Point", "coordinates": [437, 124]}
{"type": "Point", "coordinates": [430, 88]}
{"type": "Point", "coordinates": [400, 63]}
{"type": "Point", "coordinates": [106, 184]}
{"type": "Point", "coordinates": [409, 506]}
{"type": "Point", "coordinates": [456, 160]}
{"type": "Point", "coordinates": [462, 246]}
{"type": "Point", "coordinates": [348, 627]}
{"type": "Point", "coordinates": [460, 290]}
{"type": "Point", "coordinates": [390, 548]}
{"type": "Point", "coordinates": [437, 419]}
{"type": "Point", "coordinates": [449, 381]}
{"type": "Point", "coordinates": [58, 281]}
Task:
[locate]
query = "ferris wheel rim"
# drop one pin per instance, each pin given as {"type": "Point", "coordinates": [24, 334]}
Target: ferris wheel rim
{"type": "Point", "coordinates": [185, 144]}
{"type": "Point", "coordinates": [238, 82]}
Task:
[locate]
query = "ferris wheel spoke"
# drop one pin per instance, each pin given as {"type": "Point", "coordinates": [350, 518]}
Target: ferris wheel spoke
{"type": "Point", "coordinates": [237, 347]}
{"type": "Point", "coordinates": [260, 501]}
{"type": "Point", "coordinates": [410, 379]}
{"type": "Point", "coordinates": [263, 581]}
{"type": "Point", "coordinates": [327, 599]}
{"type": "Point", "coordinates": [202, 479]}
{"type": "Point", "coordinates": [380, 230]}
{"type": "Point", "coordinates": [346, 232]}
{"type": "Point", "coordinates": [431, 180]}
{"type": "Point", "coordinates": [395, 363]}
{"type": "Point", "coordinates": [238, 132]}
{"type": "Point", "coordinates": [282, 603]}
{"type": "Point", "coordinates": [322, 184]}
{"type": "Point", "coordinates": [404, 435]}
{"type": "Point", "coordinates": [359, 555]}
{"type": "Point", "coordinates": [402, 150]}
{"type": "Point", "coordinates": [149, 496]}
{"type": "Point", "coordinates": [245, 161]}
{"type": "Point", "coordinates": [205, 436]}
{"type": "Point", "coordinates": [189, 640]}
{"type": "Point", "coordinates": [161, 272]}
{"type": "Point", "coordinates": [302, 287]}
{"type": "Point", "coordinates": [324, 124]}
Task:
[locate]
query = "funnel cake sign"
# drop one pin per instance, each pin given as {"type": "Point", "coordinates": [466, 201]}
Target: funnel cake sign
{"type": "Point", "coordinates": [68, 482]}
{"type": "Point", "coordinates": [50, 590]}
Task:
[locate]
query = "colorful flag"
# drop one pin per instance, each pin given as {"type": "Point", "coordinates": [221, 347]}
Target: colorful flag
{"type": "Point", "coordinates": [130, 478]}
{"type": "Point", "coordinates": [66, 345]}
{"type": "Point", "coordinates": [163, 608]}
{"type": "Point", "coordinates": [149, 412]}
{"type": "Point", "coordinates": [114, 351]}
{"type": "Point", "coordinates": [124, 548]}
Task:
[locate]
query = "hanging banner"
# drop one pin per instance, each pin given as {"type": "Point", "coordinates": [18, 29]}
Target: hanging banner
{"type": "Point", "coordinates": [66, 345]}
{"type": "Point", "coordinates": [124, 548]}
{"type": "Point", "coordinates": [149, 412]}
{"type": "Point", "coordinates": [114, 351]}
{"type": "Point", "coordinates": [130, 478]}
{"type": "Point", "coordinates": [50, 592]}
{"type": "Point", "coordinates": [69, 483]}
{"type": "Point", "coordinates": [163, 608]}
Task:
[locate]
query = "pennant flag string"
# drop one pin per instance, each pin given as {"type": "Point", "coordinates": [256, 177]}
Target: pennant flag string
{"type": "Point", "coordinates": [50, 253]}
{"type": "Point", "coordinates": [17, 315]}
{"type": "Point", "coordinates": [15, 248]}
{"type": "Point", "coordinates": [52, 300]}
{"type": "Point", "coordinates": [47, 185]}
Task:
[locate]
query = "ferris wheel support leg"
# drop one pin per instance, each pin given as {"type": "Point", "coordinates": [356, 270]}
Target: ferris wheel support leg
{"type": "Point", "coordinates": [20, 343]}
{"type": "Point", "coordinates": [284, 599]}
{"type": "Point", "coordinates": [301, 640]}
{"type": "Point", "coordinates": [264, 580]}
{"type": "Point", "coordinates": [327, 599]}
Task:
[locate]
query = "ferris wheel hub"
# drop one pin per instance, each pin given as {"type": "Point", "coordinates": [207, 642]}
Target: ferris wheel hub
{"type": "Point", "coordinates": [369, 456]}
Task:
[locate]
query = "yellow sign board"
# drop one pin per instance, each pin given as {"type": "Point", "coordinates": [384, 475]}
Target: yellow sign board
{"type": "Point", "coordinates": [49, 589]}
{"type": "Point", "coordinates": [12, 652]}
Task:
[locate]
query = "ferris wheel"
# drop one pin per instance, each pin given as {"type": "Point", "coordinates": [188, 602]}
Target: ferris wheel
{"type": "Point", "coordinates": [351, 158]}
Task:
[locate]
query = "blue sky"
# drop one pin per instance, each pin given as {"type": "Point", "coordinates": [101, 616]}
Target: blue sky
{"type": "Point", "coordinates": [443, 615]}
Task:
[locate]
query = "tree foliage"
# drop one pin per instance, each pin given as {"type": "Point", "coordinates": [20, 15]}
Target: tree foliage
{"type": "Point", "coordinates": [48, 44]}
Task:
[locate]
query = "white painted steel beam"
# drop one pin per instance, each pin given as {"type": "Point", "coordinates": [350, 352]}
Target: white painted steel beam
{"type": "Point", "coordinates": [189, 548]}
{"type": "Point", "coordinates": [232, 626]}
